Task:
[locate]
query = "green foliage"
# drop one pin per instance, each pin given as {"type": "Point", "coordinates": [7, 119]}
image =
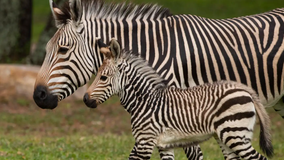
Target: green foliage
{"type": "Point", "coordinates": [15, 30]}
{"type": "Point", "coordinates": [41, 12]}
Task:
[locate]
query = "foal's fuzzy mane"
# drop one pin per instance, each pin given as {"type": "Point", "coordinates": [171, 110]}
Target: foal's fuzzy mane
{"type": "Point", "coordinates": [142, 66]}
{"type": "Point", "coordinates": [98, 9]}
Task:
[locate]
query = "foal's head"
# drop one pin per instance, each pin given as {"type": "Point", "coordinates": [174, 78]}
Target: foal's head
{"type": "Point", "coordinates": [108, 78]}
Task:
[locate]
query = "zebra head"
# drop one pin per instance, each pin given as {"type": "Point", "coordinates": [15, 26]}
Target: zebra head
{"type": "Point", "coordinates": [108, 80]}
{"type": "Point", "coordinates": [65, 67]}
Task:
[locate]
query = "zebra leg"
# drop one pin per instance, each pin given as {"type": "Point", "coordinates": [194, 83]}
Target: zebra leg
{"type": "Point", "coordinates": [246, 151]}
{"type": "Point", "coordinates": [239, 143]}
{"type": "Point", "coordinates": [142, 151]}
{"type": "Point", "coordinates": [228, 153]}
{"type": "Point", "coordinates": [279, 107]}
{"type": "Point", "coordinates": [166, 154]}
{"type": "Point", "coordinates": [193, 152]}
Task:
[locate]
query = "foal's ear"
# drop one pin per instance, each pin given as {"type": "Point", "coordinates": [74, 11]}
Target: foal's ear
{"type": "Point", "coordinates": [115, 48]}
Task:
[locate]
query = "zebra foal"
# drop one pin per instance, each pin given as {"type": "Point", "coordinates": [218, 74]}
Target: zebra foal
{"type": "Point", "coordinates": [168, 117]}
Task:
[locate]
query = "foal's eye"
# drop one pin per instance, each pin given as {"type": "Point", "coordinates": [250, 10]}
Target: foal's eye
{"type": "Point", "coordinates": [103, 78]}
{"type": "Point", "coordinates": [63, 50]}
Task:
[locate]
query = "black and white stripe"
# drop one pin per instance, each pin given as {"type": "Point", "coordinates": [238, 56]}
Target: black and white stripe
{"type": "Point", "coordinates": [169, 117]}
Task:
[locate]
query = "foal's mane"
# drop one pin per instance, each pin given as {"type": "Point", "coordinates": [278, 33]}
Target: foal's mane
{"type": "Point", "coordinates": [142, 67]}
{"type": "Point", "coordinates": [98, 9]}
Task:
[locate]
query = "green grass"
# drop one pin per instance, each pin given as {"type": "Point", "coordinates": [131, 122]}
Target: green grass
{"type": "Point", "coordinates": [73, 131]}
{"type": "Point", "coordinates": [108, 146]}
{"type": "Point", "coordinates": [70, 147]}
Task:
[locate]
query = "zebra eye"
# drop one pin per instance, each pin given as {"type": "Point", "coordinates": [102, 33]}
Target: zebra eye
{"type": "Point", "coordinates": [63, 50]}
{"type": "Point", "coordinates": [103, 78]}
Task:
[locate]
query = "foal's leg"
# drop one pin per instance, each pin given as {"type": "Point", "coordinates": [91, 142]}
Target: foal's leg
{"type": "Point", "coordinates": [166, 154]}
{"type": "Point", "coordinates": [228, 153]}
{"type": "Point", "coordinates": [237, 135]}
{"type": "Point", "coordinates": [193, 152]}
{"type": "Point", "coordinates": [243, 148]}
{"type": "Point", "coordinates": [142, 150]}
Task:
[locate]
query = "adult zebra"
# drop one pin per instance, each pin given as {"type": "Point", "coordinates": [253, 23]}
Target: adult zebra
{"type": "Point", "coordinates": [169, 117]}
{"type": "Point", "coordinates": [189, 50]}
{"type": "Point", "coordinates": [246, 49]}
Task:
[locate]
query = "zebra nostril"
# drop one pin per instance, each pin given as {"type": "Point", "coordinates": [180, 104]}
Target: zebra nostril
{"type": "Point", "coordinates": [43, 98]}
{"type": "Point", "coordinates": [89, 102]}
{"type": "Point", "coordinates": [42, 95]}
{"type": "Point", "coordinates": [86, 98]}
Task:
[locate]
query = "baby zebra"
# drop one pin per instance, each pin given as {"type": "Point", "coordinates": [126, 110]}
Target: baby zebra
{"type": "Point", "coordinates": [168, 117]}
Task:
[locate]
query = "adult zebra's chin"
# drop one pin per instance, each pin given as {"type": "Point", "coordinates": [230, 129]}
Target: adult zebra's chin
{"type": "Point", "coordinates": [44, 99]}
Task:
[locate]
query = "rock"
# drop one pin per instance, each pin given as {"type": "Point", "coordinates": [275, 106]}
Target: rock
{"type": "Point", "coordinates": [17, 81]}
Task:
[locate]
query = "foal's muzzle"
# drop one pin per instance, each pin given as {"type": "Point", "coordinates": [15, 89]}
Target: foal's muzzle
{"type": "Point", "coordinates": [89, 102]}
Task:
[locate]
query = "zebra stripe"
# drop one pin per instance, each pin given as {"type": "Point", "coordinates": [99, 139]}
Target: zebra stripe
{"type": "Point", "coordinates": [169, 117]}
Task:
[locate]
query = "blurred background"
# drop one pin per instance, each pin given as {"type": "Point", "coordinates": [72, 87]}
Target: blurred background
{"type": "Point", "coordinates": [28, 132]}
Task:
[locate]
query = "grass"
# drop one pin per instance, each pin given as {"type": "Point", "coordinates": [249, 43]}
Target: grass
{"type": "Point", "coordinates": [74, 147]}
{"type": "Point", "coordinates": [73, 131]}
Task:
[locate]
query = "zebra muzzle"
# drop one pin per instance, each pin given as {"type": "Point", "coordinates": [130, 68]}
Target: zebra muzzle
{"type": "Point", "coordinates": [44, 99]}
{"type": "Point", "coordinates": [91, 103]}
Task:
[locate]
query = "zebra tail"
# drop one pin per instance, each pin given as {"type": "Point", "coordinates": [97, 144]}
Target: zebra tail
{"type": "Point", "coordinates": [264, 120]}
{"type": "Point", "coordinates": [264, 135]}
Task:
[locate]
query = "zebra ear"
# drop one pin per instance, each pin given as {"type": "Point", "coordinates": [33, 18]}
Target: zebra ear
{"type": "Point", "coordinates": [106, 52]}
{"type": "Point", "coordinates": [115, 48]}
{"type": "Point", "coordinates": [57, 14]}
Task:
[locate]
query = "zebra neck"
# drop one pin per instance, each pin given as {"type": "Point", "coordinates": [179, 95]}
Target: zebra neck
{"type": "Point", "coordinates": [98, 58]}
{"type": "Point", "coordinates": [140, 82]}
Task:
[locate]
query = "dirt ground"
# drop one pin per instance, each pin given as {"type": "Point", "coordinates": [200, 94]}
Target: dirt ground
{"type": "Point", "coordinates": [23, 117]}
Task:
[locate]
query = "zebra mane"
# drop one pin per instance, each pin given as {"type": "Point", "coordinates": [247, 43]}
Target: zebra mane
{"type": "Point", "coordinates": [98, 9]}
{"type": "Point", "coordinates": [142, 67]}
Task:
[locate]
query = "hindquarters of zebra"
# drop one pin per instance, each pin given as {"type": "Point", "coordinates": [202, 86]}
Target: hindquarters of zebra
{"type": "Point", "coordinates": [236, 116]}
